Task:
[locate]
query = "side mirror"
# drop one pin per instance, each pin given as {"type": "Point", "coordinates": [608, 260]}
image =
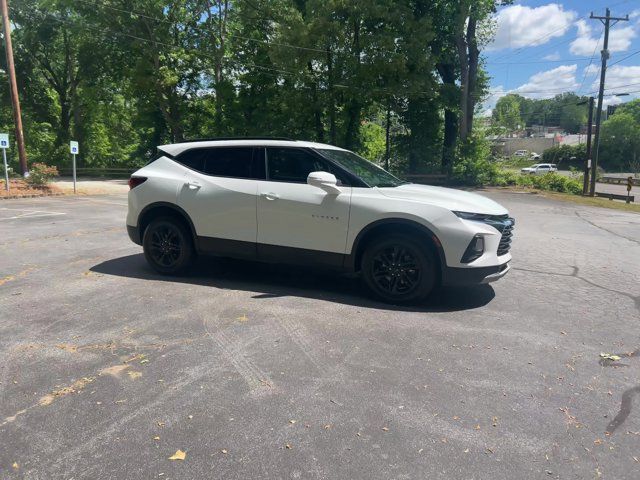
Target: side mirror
{"type": "Point", "coordinates": [324, 180]}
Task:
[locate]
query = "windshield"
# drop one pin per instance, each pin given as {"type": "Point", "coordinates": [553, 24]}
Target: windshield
{"type": "Point", "coordinates": [371, 174]}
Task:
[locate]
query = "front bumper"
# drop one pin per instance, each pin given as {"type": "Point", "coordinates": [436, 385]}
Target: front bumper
{"type": "Point", "coordinates": [452, 276]}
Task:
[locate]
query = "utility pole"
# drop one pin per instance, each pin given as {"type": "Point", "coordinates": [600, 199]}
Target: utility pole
{"type": "Point", "coordinates": [13, 86]}
{"type": "Point", "coordinates": [606, 20]}
{"type": "Point", "coordinates": [587, 163]}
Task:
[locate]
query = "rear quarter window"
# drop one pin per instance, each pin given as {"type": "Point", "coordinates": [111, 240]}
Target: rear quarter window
{"type": "Point", "coordinates": [232, 162]}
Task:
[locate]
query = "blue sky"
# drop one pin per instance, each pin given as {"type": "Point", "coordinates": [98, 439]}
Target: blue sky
{"type": "Point", "coordinates": [543, 48]}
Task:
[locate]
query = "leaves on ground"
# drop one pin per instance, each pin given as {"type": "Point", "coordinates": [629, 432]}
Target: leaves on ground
{"type": "Point", "coordinates": [610, 356]}
{"type": "Point", "coordinates": [179, 455]}
{"type": "Point", "coordinates": [133, 374]}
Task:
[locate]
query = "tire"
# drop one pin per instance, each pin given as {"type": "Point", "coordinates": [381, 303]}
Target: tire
{"type": "Point", "coordinates": [399, 269]}
{"type": "Point", "coordinates": [168, 246]}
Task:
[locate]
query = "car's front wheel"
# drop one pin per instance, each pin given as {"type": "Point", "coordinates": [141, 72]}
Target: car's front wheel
{"type": "Point", "coordinates": [167, 246]}
{"type": "Point", "coordinates": [399, 269]}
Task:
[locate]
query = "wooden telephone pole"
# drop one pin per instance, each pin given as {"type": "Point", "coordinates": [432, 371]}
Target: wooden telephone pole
{"type": "Point", "coordinates": [606, 20]}
{"type": "Point", "coordinates": [13, 85]}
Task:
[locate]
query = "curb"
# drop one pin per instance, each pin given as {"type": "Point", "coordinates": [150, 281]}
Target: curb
{"type": "Point", "coordinates": [31, 195]}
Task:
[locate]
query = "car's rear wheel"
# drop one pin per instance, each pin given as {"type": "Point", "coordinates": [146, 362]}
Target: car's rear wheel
{"type": "Point", "coordinates": [398, 269]}
{"type": "Point", "coordinates": [167, 246]}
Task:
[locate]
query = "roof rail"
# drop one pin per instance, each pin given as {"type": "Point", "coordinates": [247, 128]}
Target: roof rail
{"type": "Point", "coordinates": [213, 139]}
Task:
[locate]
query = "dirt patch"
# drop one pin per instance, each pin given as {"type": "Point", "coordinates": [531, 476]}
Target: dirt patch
{"type": "Point", "coordinates": [19, 188]}
{"type": "Point", "coordinates": [75, 388]}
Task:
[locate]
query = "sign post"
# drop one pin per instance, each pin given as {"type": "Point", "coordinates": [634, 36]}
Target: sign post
{"type": "Point", "coordinates": [629, 185]}
{"type": "Point", "coordinates": [4, 144]}
{"type": "Point", "coordinates": [74, 149]}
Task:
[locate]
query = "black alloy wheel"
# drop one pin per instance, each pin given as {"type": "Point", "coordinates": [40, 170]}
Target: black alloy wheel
{"type": "Point", "coordinates": [399, 269]}
{"type": "Point", "coordinates": [167, 246]}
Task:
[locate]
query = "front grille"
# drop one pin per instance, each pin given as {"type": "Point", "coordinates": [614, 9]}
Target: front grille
{"type": "Point", "coordinates": [504, 224]}
{"type": "Point", "coordinates": [505, 240]}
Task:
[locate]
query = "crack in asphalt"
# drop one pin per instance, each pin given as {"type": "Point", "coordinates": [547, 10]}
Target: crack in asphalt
{"type": "Point", "coordinates": [605, 229]}
{"type": "Point", "coordinates": [574, 274]}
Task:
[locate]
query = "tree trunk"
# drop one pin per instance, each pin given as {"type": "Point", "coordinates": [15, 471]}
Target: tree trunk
{"type": "Point", "coordinates": [332, 99]}
{"type": "Point", "coordinates": [464, 86]}
{"type": "Point", "coordinates": [387, 137]}
{"type": "Point", "coordinates": [474, 54]}
{"type": "Point", "coordinates": [448, 75]}
{"type": "Point", "coordinates": [354, 108]}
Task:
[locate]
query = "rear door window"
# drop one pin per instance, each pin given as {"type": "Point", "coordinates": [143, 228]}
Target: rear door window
{"type": "Point", "coordinates": [234, 162]}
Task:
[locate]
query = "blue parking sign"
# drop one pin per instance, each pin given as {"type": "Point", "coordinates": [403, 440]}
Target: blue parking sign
{"type": "Point", "coordinates": [4, 140]}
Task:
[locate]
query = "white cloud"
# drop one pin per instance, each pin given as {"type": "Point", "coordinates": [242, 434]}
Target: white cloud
{"type": "Point", "coordinates": [606, 101]}
{"type": "Point", "coordinates": [552, 57]}
{"type": "Point", "coordinates": [618, 77]}
{"type": "Point", "coordinates": [586, 44]}
{"type": "Point", "coordinates": [490, 102]}
{"type": "Point", "coordinates": [549, 83]}
{"type": "Point", "coordinates": [592, 69]}
{"type": "Point", "coordinates": [520, 26]}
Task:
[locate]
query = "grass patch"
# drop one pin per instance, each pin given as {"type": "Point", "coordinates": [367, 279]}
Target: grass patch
{"type": "Point", "coordinates": [588, 201]}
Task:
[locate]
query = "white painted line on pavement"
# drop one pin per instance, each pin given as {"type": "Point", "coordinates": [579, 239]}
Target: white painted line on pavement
{"type": "Point", "coordinates": [29, 213]}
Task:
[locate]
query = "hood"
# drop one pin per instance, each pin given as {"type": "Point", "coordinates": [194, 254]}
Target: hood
{"type": "Point", "coordinates": [449, 198]}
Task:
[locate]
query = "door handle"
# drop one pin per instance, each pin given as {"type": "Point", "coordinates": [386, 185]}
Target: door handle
{"type": "Point", "coordinates": [270, 196]}
{"type": "Point", "coordinates": [193, 185]}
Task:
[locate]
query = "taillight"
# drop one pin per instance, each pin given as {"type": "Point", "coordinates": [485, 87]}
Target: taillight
{"type": "Point", "coordinates": [135, 181]}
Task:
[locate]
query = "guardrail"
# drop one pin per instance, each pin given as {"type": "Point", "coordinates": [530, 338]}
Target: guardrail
{"type": "Point", "coordinates": [427, 179]}
{"type": "Point", "coordinates": [618, 180]}
{"type": "Point", "coordinates": [615, 196]}
{"type": "Point", "coordinates": [99, 172]}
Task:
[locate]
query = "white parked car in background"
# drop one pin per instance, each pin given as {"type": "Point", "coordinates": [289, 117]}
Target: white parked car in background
{"type": "Point", "coordinates": [521, 153]}
{"type": "Point", "coordinates": [308, 203]}
{"type": "Point", "coordinates": [540, 169]}
{"type": "Point", "coordinates": [535, 156]}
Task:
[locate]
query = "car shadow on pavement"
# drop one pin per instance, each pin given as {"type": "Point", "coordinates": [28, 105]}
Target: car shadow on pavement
{"type": "Point", "coordinates": [274, 280]}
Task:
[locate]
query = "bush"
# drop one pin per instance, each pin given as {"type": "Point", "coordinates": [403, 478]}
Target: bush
{"type": "Point", "coordinates": [551, 181]}
{"type": "Point", "coordinates": [40, 174]}
{"type": "Point", "coordinates": [473, 166]}
{"type": "Point", "coordinates": [566, 156]}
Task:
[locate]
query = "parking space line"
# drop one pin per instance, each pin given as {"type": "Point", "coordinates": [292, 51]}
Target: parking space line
{"type": "Point", "coordinates": [29, 213]}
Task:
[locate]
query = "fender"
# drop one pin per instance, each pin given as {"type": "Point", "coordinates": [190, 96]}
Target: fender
{"type": "Point", "coordinates": [351, 258]}
{"type": "Point", "coordinates": [170, 206]}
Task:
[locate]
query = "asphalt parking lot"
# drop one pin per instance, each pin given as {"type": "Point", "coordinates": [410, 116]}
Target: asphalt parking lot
{"type": "Point", "coordinates": [261, 372]}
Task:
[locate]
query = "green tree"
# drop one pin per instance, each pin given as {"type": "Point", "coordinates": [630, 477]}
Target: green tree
{"type": "Point", "coordinates": [507, 113]}
{"type": "Point", "coordinates": [620, 140]}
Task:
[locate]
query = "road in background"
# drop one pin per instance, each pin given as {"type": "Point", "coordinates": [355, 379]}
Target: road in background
{"type": "Point", "coordinates": [265, 372]}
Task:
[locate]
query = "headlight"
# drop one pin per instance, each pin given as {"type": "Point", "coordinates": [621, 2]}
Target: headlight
{"type": "Point", "coordinates": [472, 216]}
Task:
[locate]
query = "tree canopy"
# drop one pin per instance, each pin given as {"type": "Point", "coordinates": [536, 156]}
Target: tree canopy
{"type": "Point", "coordinates": [123, 76]}
{"type": "Point", "coordinates": [567, 110]}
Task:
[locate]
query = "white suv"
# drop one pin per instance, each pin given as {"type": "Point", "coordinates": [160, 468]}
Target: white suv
{"type": "Point", "coordinates": [295, 202]}
{"type": "Point", "coordinates": [540, 169]}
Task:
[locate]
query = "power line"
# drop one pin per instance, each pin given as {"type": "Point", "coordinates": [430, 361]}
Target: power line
{"type": "Point", "coordinates": [625, 58]}
{"type": "Point", "coordinates": [595, 49]}
{"type": "Point", "coordinates": [533, 42]}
